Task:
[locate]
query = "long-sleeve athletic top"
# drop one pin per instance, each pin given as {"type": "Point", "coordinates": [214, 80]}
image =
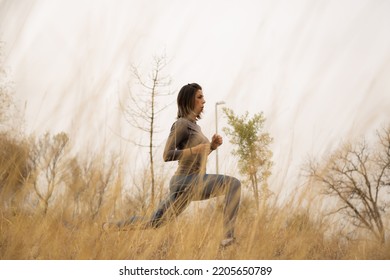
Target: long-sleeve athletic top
{"type": "Point", "coordinates": [185, 134]}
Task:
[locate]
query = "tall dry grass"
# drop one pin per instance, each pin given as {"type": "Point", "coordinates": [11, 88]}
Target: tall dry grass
{"type": "Point", "coordinates": [71, 227]}
{"type": "Point", "coordinates": [273, 233]}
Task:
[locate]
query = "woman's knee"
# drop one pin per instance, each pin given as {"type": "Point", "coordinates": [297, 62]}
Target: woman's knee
{"type": "Point", "coordinates": [235, 183]}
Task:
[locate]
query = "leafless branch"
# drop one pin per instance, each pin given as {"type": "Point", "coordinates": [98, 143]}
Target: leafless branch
{"type": "Point", "coordinates": [354, 175]}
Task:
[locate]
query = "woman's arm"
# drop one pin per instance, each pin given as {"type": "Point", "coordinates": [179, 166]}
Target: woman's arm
{"type": "Point", "coordinates": [178, 134]}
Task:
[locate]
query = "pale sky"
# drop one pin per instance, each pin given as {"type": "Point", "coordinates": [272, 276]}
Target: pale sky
{"type": "Point", "coordinates": [319, 70]}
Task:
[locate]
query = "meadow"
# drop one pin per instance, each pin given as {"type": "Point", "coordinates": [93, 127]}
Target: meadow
{"type": "Point", "coordinates": [271, 233]}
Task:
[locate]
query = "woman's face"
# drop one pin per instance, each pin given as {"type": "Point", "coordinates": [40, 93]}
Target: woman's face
{"type": "Point", "coordinates": [199, 102]}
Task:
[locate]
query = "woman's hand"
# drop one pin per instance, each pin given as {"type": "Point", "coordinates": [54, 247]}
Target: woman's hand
{"type": "Point", "coordinates": [216, 141]}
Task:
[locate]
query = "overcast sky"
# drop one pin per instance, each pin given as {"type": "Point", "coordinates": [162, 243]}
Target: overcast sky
{"type": "Point", "coordinates": [319, 70]}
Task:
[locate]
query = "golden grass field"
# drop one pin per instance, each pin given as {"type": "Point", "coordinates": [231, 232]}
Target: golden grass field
{"type": "Point", "coordinates": [273, 234]}
{"type": "Point", "coordinates": [84, 198]}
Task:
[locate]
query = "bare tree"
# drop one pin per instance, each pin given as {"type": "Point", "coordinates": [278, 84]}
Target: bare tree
{"type": "Point", "coordinates": [89, 183]}
{"type": "Point", "coordinates": [358, 177]}
{"type": "Point", "coordinates": [77, 185]}
{"type": "Point", "coordinates": [46, 158]}
{"type": "Point", "coordinates": [102, 178]}
{"type": "Point", "coordinates": [142, 108]}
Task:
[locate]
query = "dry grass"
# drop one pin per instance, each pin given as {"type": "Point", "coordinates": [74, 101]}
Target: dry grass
{"type": "Point", "coordinates": [71, 227]}
{"type": "Point", "coordinates": [274, 234]}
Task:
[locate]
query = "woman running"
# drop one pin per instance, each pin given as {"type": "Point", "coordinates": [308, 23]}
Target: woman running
{"type": "Point", "coordinates": [187, 144]}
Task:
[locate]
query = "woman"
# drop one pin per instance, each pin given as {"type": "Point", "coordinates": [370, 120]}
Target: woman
{"type": "Point", "coordinates": [187, 144]}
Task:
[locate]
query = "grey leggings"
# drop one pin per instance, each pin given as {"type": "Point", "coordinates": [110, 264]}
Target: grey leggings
{"type": "Point", "coordinates": [184, 189]}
